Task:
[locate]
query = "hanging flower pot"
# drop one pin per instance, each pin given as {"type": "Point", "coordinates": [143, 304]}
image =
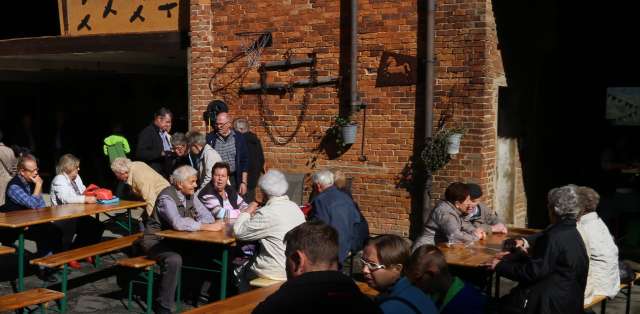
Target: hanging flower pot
{"type": "Point", "coordinates": [453, 143]}
{"type": "Point", "coordinates": [349, 133]}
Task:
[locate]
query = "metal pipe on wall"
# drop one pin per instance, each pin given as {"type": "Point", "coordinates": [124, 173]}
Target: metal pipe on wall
{"type": "Point", "coordinates": [429, 91]}
{"type": "Point", "coordinates": [353, 56]}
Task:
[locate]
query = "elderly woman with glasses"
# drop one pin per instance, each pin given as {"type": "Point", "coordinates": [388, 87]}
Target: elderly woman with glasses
{"type": "Point", "coordinates": [384, 260]}
{"type": "Point", "coordinates": [552, 278]}
{"type": "Point", "coordinates": [67, 188]}
{"type": "Point", "coordinates": [207, 157]}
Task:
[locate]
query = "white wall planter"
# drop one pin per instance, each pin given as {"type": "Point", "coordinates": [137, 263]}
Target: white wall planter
{"type": "Point", "coordinates": [349, 133]}
{"type": "Point", "coordinates": [453, 142]}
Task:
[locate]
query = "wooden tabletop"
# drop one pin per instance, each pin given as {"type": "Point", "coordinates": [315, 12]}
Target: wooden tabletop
{"type": "Point", "coordinates": [29, 217]}
{"type": "Point", "coordinates": [245, 303]}
{"type": "Point", "coordinates": [220, 237]}
{"type": "Point", "coordinates": [480, 252]}
{"type": "Point", "coordinates": [6, 250]}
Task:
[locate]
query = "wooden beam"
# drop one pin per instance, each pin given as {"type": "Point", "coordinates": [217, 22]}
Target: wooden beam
{"type": "Point", "coordinates": [150, 42]}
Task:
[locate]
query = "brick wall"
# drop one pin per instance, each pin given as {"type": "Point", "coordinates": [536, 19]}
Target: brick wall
{"type": "Point", "coordinates": [468, 73]}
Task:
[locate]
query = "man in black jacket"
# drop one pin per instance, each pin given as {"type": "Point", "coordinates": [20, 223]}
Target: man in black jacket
{"type": "Point", "coordinates": [256, 157]}
{"type": "Point", "coordinates": [314, 284]}
{"type": "Point", "coordinates": [154, 142]}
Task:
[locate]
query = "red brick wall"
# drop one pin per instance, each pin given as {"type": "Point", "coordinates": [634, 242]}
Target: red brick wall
{"type": "Point", "coordinates": [467, 72]}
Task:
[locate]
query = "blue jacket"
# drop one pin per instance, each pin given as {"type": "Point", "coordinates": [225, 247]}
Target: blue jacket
{"type": "Point", "coordinates": [405, 298]}
{"type": "Point", "coordinates": [463, 298]}
{"type": "Point", "coordinates": [338, 210]}
{"type": "Point", "coordinates": [18, 196]}
{"type": "Point", "coordinates": [242, 153]}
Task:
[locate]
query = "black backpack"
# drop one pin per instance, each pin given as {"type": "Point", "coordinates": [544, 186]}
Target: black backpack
{"type": "Point", "coordinates": [361, 234]}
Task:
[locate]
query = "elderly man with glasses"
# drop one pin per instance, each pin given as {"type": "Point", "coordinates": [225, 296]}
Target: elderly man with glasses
{"type": "Point", "coordinates": [24, 191]}
{"type": "Point", "coordinates": [232, 147]}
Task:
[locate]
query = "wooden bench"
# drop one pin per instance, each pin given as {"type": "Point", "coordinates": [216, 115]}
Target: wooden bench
{"type": "Point", "coordinates": [39, 296]}
{"type": "Point", "coordinates": [63, 258]}
{"type": "Point", "coordinates": [146, 266]}
{"type": "Point", "coordinates": [602, 299]}
{"type": "Point", "coordinates": [264, 282]}
{"type": "Point", "coordinates": [6, 250]}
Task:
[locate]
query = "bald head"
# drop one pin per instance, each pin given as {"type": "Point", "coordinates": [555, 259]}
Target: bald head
{"type": "Point", "coordinates": [223, 123]}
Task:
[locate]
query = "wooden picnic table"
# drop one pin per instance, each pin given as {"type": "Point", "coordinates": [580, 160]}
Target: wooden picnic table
{"type": "Point", "coordinates": [22, 219]}
{"type": "Point", "coordinates": [245, 303]}
{"type": "Point", "coordinates": [222, 237]}
{"type": "Point", "coordinates": [478, 253]}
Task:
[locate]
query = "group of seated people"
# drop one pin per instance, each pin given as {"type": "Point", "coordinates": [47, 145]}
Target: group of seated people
{"type": "Point", "coordinates": [24, 191]}
{"type": "Point", "coordinates": [558, 269]}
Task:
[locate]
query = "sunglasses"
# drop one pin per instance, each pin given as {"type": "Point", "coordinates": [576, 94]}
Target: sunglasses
{"type": "Point", "coordinates": [371, 266]}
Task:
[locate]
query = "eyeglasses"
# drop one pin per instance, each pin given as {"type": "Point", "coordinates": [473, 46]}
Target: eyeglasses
{"type": "Point", "coordinates": [222, 124]}
{"type": "Point", "coordinates": [371, 266]}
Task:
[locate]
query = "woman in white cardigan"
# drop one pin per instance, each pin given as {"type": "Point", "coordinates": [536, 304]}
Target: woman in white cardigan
{"type": "Point", "coordinates": [67, 188]}
{"type": "Point", "coordinates": [604, 275]}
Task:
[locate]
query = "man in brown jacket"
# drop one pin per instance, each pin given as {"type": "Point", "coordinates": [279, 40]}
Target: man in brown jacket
{"type": "Point", "coordinates": [143, 180]}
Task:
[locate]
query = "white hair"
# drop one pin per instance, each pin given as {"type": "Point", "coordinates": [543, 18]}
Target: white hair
{"type": "Point", "coordinates": [121, 165]}
{"type": "Point", "coordinates": [273, 183]}
{"type": "Point", "coordinates": [323, 178]}
{"type": "Point", "coordinates": [182, 173]}
{"type": "Point", "coordinates": [564, 201]}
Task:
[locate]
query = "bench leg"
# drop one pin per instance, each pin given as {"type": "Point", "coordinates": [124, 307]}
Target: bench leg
{"type": "Point", "coordinates": [223, 273]}
{"type": "Point", "coordinates": [63, 303]}
{"type": "Point", "coordinates": [129, 294]}
{"type": "Point", "coordinates": [149, 290]}
{"type": "Point", "coordinates": [97, 262]}
{"type": "Point", "coordinates": [603, 306]}
{"type": "Point", "coordinates": [179, 292]}
{"type": "Point", "coordinates": [42, 309]}
{"type": "Point", "coordinates": [497, 289]}
{"type": "Point", "coordinates": [628, 298]}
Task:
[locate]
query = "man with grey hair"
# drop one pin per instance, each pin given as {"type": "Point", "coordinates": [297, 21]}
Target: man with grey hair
{"type": "Point", "coordinates": [233, 149]}
{"type": "Point", "coordinates": [142, 179]}
{"type": "Point", "coordinates": [207, 157]}
{"type": "Point", "coordinates": [335, 208]}
{"type": "Point", "coordinates": [267, 225]}
{"type": "Point", "coordinates": [256, 165]}
{"type": "Point", "coordinates": [553, 278]}
{"type": "Point", "coordinates": [176, 209]}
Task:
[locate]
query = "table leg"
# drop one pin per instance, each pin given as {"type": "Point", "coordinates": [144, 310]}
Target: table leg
{"type": "Point", "coordinates": [223, 272]}
{"type": "Point", "coordinates": [497, 289]}
{"type": "Point", "coordinates": [129, 220]}
{"type": "Point", "coordinates": [21, 261]}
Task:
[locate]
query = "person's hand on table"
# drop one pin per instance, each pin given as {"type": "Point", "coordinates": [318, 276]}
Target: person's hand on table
{"type": "Point", "coordinates": [479, 233]}
{"type": "Point", "coordinates": [216, 226]}
{"type": "Point", "coordinates": [90, 199]}
{"type": "Point", "coordinates": [499, 228]}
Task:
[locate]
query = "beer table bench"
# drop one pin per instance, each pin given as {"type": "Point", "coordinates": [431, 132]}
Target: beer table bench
{"type": "Point", "coordinates": [22, 219]}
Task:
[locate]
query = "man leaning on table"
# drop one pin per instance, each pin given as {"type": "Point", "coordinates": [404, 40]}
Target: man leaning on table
{"type": "Point", "coordinates": [24, 191]}
{"type": "Point", "coordinates": [176, 209]}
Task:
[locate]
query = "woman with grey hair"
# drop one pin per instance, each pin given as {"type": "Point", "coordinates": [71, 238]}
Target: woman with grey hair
{"type": "Point", "coordinates": [267, 225]}
{"type": "Point", "coordinates": [67, 188]}
{"type": "Point", "coordinates": [604, 272]}
{"type": "Point", "coordinates": [553, 278]}
{"type": "Point", "coordinates": [207, 156]}
{"type": "Point", "coordinates": [179, 155]}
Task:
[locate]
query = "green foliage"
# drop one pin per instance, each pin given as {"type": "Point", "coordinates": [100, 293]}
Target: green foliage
{"type": "Point", "coordinates": [335, 132]}
{"type": "Point", "coordinates": [434, 154]}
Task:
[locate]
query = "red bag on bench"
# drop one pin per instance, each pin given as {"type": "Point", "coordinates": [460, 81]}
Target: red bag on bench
{"type": "Point", "coordinates": [98, 192]}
